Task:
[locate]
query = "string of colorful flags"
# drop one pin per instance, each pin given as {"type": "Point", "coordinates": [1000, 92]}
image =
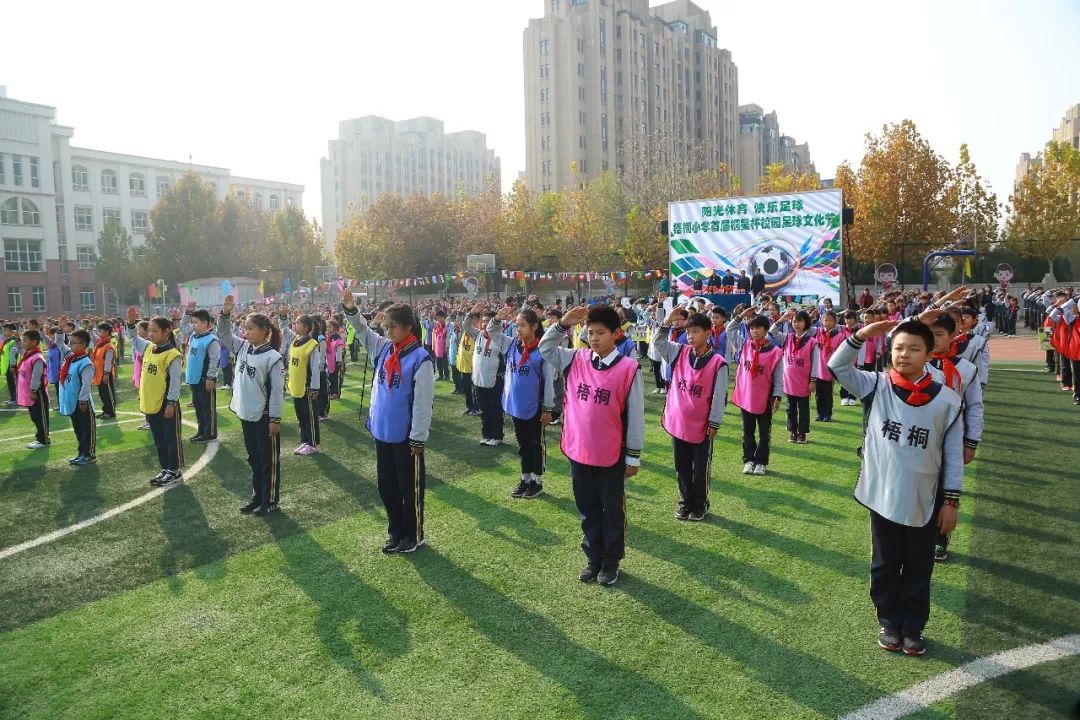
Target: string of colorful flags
{"type": "Point", "coordinates": [533, 275]}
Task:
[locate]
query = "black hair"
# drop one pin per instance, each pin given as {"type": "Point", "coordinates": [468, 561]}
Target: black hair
{"type": "Point", "coordinates": [162, 323]}
{"type": "Point", "coordinates": [698, 320]}
{"type": "Point", "coordinates": [33, 335]}
{"type": "Point", "coordinates": [402, 314]}
{"type": "Point", "coordinates": [604, 315]}
{"type": "Point", "coordinates": [143, 325]}
{"type": "Point", "coordinates": [944, 321]}
{"type": "Point", "coordinates": [440, 313]}
{"type": "Point", "coordinates": [81, 335]}
{"type": "Point", "coordinates": [553, 312]}
{"type": "Point", "coordinates": [201, 315]}
{"type": "Point", "coordinates": [264, 324]}
{"type": "Point", "coordinates": [530, 317]}
{"type": "Point", "coordinates": [11, 326]}
{"type": "Point", "coordinates": [914, 327]}
{"type": "Point", "coordinates": [759, 321]}
{"type": "Point", "coordinates": [307, 321]}
{"type": "Point", "coordinates": [717, 310]}
{"type": "Point", "coordinates": [830, 313]}
{"type": "Point", "coordinates": [319, 324]}
{"type": "Point", "coordinates": [804, 316]}
{"type": "Point", "coordinates": [966, 310]}
{"type": "Point", "coordinates": [105, 326]}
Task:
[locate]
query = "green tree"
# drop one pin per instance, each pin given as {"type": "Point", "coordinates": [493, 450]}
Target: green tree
{"type": "Point", "coordinates": [116, 265]}
{"type": "Point", "coordinates": [181, 244]}
{"type": "Point", "coordinates": [1045, 217]}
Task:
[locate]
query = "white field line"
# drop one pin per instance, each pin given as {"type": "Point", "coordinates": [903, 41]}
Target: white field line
{"type": "Point", "coordinates": [189, 474]}
{"type": "Point", "coordinates": [949, 683]}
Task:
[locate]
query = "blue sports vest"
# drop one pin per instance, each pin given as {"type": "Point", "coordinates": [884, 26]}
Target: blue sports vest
{"type": "Point", "coordinates": [719, 344]}
{"type": "Point", "coordinates": [626, 347]}
{"type": "Point", "coordinates": [521, 392]}
{"type": "Point", "coordinates": [54, 363]}
{"type": "Point", "coordinates": [197, 360]}
{"type": "Point", "coordinates": [69, 391]}
{"type": "Point", "coordinates": [390, 418]}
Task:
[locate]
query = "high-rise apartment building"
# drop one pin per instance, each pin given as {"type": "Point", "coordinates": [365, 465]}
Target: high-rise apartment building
{"type": "Point", "coordinates": [761, 144]}
{"type": "Point", "coordinates": [617, 85]}
{"type": "Point", "coordinates": [372, 156]}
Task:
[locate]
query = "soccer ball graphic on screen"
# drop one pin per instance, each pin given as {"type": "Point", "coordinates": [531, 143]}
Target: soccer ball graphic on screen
{"type": "Point", "coordinates": [775, 259]}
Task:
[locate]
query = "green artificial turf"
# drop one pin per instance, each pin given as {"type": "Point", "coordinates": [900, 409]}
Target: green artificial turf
{"type": "Point", "coordinates": [183, 608]}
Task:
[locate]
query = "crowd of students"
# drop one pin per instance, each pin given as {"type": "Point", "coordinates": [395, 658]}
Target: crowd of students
{"type": "Point", "coordinates": [916, 364]}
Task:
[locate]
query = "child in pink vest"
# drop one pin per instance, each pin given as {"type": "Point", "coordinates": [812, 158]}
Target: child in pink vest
{"type": "Point", "coordinates": [603, 432]}
{"type": "Point", "coordinates": [335, 359]}
{"type": "Point", "coordinates": [32, 387]}
{"type": "Point", "coordinates": [827, 337]}
{"type": "Point", "coordinates": [851, 325]}
{"type": "Point", "coordinates": [438, 345]}
{"type": "Point", "coordinates": [694, 408]}
{"type": "Point", "coordinates": [759, 382]}
{"type": "Point", "coordinates": [800, 359]}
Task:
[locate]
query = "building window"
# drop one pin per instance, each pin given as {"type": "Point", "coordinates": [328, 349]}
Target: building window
{"type": "Point", "coordinates": [258, 200]}
{"type": "Point", "coordinates": [84, 217]}
{"type": "Point", "coordinates": [545, 46]}
{"type": "Point", "coordinates": [16, 168]}
{"type": "Point", "coordinates": [39, 299]}
{"type": "Point", "coordinates": [138, 222]}
{"type": "Point", "coordinates": [14, 299]}
{"type": "Point", "coordinates": [86, 257]}
{"type": "Point", "coordinates": [163, 185]}
{"type": "Point", "coordinates": [80, 178]}
{"type": "Point", "coordinates": [10, 215]}
{"type": "Point", "coordinates": [274, 202]}
{"type": "Point", "coordinates": [581, 69]}
{"type": "Point", "coordinates": [35, 177]}
{"type": "Point", "coordinates": [603, 84]}
{"type": "Point", "coordinates": [545, 71]}
{"type": "Point", "coordinates": [603, 36]}
{"type": "Point", "coordinates": [87, 300]}
{"type": "Point", "coordinates": [110, 215]}
{"type": "Point", "coordinates": [241, 196]}
{"type": "Point", "coordinates": [108, 182]}
{"type": "Point", "coordinates": [137, 184]}
{"type": "Point", "coordinates": [65, 298]}
{"type": "Point", "coordinates": [22, 255]}
{"type": "Point", "coordinates": [2, 180]}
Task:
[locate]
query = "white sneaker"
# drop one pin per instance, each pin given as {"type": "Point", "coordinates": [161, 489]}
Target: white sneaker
{"type": "Point", "coordinates": [36, 445]}
{"type": "Point", "coordinates": [485, 441]}
{"type": "Point", "coordinates": [656, 391]}
{"type": "Point", "coordinates": [494, 443]}
{"type": "Point", "coordinates": [748, 468]}
{"type": "Point", "coordinates": [759, 469]}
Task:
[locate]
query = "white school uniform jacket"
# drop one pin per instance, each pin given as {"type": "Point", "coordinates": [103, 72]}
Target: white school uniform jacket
{"type": "Point", "coordinates": [909, 452]}
{"type": "Point", "coordinates": [971, 395]}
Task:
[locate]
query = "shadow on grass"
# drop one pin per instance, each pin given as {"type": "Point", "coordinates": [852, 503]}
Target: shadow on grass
{"type": "Point", "coordinates": [190, 542]}
{"type": "Point", "coordinates": [771, 501]}
{"type": "Point", "coordinates": [492, 519]}
{"type": "Point", "coordinates": [360, 489]}
{"type": "Point", "coordinates": [79, 496]}
{"type": "Point", "coordinates": [602, 688]}
{"type": "Point", "coordinates": [356, 623]}
{"type": "Point", "coordinates": [805, 678]}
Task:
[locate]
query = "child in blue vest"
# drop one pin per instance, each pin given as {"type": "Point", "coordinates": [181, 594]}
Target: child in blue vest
{"type": "Point", "coordinates": [402, 400]}
{"type": "Point", "coordinates": [201, 370]}
{"type": "Point", "coordinates": [76, 402]}
{"type": "Point", "coordinates": [528, 396]}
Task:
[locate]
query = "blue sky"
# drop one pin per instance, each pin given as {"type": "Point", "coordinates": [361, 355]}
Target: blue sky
{"type": "Point", "coordinates": [260, 87]}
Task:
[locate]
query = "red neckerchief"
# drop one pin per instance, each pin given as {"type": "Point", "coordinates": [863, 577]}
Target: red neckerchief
{"type": "Point", "coordinates": [674, 336]}
{"type": "Point", "coordinates": [756, 345]}
{"type": "Point", "coordinates": [948, 367]}
{"type": "Point", "coordinates": [826, 341]}
{"type": "Point", "coordinates": [67, 364]}
{"type": "Point", "coordinates": [393, 363]}
{"type": "Point", "coordinates": [28, 355]}
{"type": "Point", "coordinates": [716, 333]}
{"type": "Point", "coordinates": [526, 349]}
{"type": "Point", "coordinates": [917, 396]}
{"type": "Point", "coordinates": [961, 338]}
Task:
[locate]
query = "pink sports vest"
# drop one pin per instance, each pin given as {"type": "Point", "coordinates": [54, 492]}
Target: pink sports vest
{"type": "Point", "coordinates": [331, 354]}
{"type": "Point", "coordinates": [868, 352]}
{"type": "Point", "coordinates": [690, 397]}
{"type": "Point", "coordinates": [753, 390]}
{"type": "Point", "coordinates": [797, 366]}
{"type": "Point", "coordinates": [594, 403]}
{"type": "Point", "coordinates": [826, 347]}
{"type": "Point", "coordinates": [24, 394]}
{"type": "Point", "coordinates": [136, 370]}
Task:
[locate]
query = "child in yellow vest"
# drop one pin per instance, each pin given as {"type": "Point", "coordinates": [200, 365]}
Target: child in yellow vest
{"type": "Point", "coordinates": [304, 372]}
{"type": "Point", "coordinates": [159, 393]}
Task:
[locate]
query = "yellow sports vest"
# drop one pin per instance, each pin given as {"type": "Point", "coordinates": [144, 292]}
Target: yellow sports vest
{"type": "Point", "coordinates": [577, 341]}
{"type": "Point", "coordinates": [299, 359]}
{"type": "Point", "coordinates": [464, 356]}
{"type": "Point", "coordinates": [155, 378]}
